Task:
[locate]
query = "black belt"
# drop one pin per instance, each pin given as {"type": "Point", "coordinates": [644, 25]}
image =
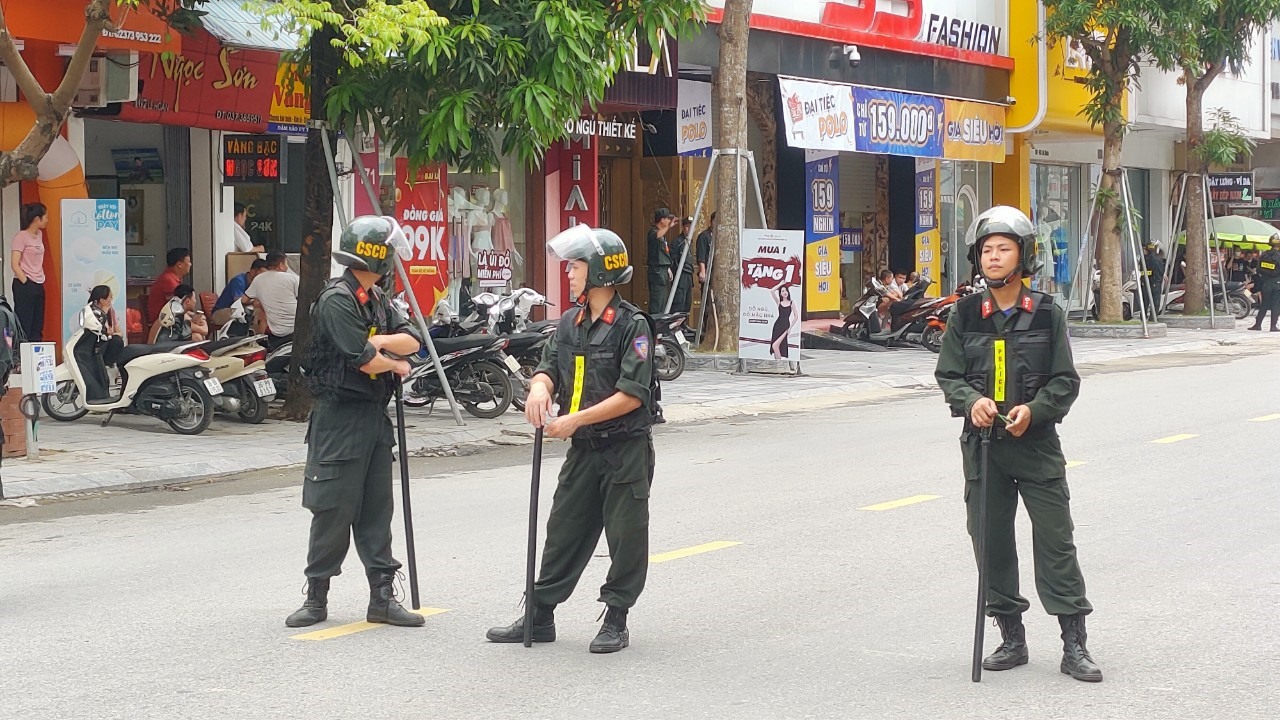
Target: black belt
{"type": "Point", "coordinates": [606, 441]}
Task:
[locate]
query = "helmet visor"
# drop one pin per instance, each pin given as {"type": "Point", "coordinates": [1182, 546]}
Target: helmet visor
{"type": "Point", "coordinates": [399, 240]}
{"type": "Point", "coordinates": [577, 243]}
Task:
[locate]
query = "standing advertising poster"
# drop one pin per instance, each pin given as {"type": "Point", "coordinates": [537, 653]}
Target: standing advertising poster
{"type": "Point", "coordinates": [92, 254]}
{"type": "Point", "coordinates": [694, 138]}
{"type": "Point", "coordinates": [928, 236]}
{"type": "Point", "coordinates": [421, 211]}
{"type": "Point", "coordinates": [822, 231]}
{"type": "Point", "coordinates": [897, 123]}
{"type": "Point", "coordinates": [771, 292]}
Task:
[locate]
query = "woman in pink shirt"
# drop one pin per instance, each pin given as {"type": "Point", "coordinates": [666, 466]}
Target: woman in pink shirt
{"type": "Point", "coordinates": [28, 271]}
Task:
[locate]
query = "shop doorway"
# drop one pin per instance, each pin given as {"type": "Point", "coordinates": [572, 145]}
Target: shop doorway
{"type": "Point", "coordinates": [618, 213]}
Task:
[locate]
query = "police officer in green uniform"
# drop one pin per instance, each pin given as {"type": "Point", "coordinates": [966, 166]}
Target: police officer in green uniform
{"type": "Point", "coordinates": [352, 368]}
{"type": "Point", "coordinates": [1006, 367]}
{"type": "Point", "coordinates": [1269, 275]}
{"type": "Point", "coordinates": [661, 266]}
{"type": "Point", "coordinates": [599, 368]}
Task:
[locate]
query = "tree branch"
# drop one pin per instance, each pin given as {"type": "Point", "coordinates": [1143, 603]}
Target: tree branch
{"type": "Point", "coordinates": [96, 17]}
{"type": "Point", "coordinates": [12, 59]}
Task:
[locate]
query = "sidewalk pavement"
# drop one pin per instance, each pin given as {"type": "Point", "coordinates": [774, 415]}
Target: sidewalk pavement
{"type": "Point", "coordinates": [137, 452]}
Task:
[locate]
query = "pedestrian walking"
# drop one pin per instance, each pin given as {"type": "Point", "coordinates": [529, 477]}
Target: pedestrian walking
{"type": "Point", "coordinates": [1006, 366]}
{"type": "Point", "coordinates": [599, 368]}
{"type": "Point", "coordinates": [353, 371]}
{"type": "Point", "coordinates": [28, 271]}
{"type": "Point", "coordinates": [1269, 275]}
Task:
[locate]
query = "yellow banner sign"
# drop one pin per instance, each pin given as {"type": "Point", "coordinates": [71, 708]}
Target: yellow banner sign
{"type": "Point", "coordinates": [290, 103]}
{"type": "Point", "coordinates": [975, 131]}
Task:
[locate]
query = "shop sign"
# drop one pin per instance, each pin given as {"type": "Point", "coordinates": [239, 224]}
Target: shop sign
{"type": "Point", "coordinates": [771, 275]}
{"type": "Point", "coordinates": [851, 240]}
{"type": "Point", "coordinates": [421, 210]}
{"type": "Point", "coordinates": [1232, 189]}
{"type": "Point", "coordinates": [290, 102]}
{"type": "Point", "coordinates": [693, 114]}
{"type": "Point", "coordinates": [822, 236]}
{"type": "Point", "coordinates": [251, 159]}
{"type": "Point", "coordinates": [93, 253]}
{"type": "Point", "coordinates": [205, 86]}
{"type": "Point", "coordinates": [647, 79]}
{"type": "Point", "coordinates": [928, 238]}
{"type": "Point", "coordinates": [818, 115]}
{"type": "Point", "coordinates": [368, 147]}
{"type": "Point", "coordinates": [889, 122]}
{"type": "Point", "coordinates": [579, 195]}
{"type": "Point", "coordinates": [975, 131]}
{"type": "Point", "coordinates": [603, 128]}
{"type": "Point", "coordinates": [493, 268]}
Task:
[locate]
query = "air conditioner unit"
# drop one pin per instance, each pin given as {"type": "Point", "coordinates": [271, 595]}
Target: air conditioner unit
{"type": "Point", "coordinates": [110, 78]}
{"type": "Point", "coordinates": [8, 86]}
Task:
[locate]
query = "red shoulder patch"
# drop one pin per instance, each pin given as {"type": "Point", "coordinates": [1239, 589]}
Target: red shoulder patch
{"type": "Point", "coordinates": [608, 315]}
{"type": "Point", "coordinates": [362, 296]}
{"type": "Point", "coordinates": [988, 307]}
{"type": "Point", "coordinates": [1027, 303]}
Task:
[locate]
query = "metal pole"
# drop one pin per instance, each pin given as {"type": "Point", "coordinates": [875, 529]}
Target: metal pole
{"type": "Point", "coordinates": [413, 298]}
{"type": "Point", "coordinates": [1139, 261]}
{"type": "Point", "coordinates": [742, 225]}
{"type": "Point", "coordinates": [333, 175]}
{"type": "Point", "coordinates": [532, 557]}
{"type": "Point", "coordinates": [410, 554]}
{"type": "Point", "coordinates": [711, 257]}
{"type": "Point", "coordinates": [979, 624]}
{"type": "Point", "coordinates": [1086, 242]}
{"type": "Point", "coordinates": [1179, 217]}
{"type": "Point", "coordinates": [1208, 267]}
{"type": "Point", "coordinates": [755, 182]}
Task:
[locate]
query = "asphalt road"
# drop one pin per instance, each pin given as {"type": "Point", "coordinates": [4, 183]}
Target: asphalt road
{"type": "Point", "coordinates": [171, 604]}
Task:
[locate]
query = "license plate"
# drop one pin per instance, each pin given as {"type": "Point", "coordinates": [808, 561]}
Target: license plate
{"type": "Point", "coordinates": [512, 364]}
{"type": "Point", "coordinates": [264, 387]}
{"type": "Point", "coordinates": [680, 338]}
{"type": "Point", "coordinates": [214, 386]}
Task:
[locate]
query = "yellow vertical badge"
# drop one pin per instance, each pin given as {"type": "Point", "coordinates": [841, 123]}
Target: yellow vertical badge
{"type": "Point", "coordinates": [579, 374]}
{"type": "Point", "coordinates": [373, 331]}
{"type": "Point", "coordinates": [997, 392]}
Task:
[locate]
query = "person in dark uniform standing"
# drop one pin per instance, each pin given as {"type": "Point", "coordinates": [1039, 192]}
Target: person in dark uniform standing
{"type": "Point", "coordinates": [352, 368]}
{"type": "Point", "coordinates": [599, 368]}
{"type": "Point", "coordinates": [683, 300]}
{"type": "Point", "coordinates": [1155, 275]}
{"type": "Point", "coordinates": [1269, 276]}
{"type": "Point", "coordinates": [661, 265]}
{"type": "Point", "coordinates": [1006, 367]}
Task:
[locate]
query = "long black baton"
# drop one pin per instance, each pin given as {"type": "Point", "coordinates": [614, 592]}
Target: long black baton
{"type": "Point", "coordinates": [532, 557]}
{"type": "Point", "coordinates": [407, 506]}
{"type": "Point", "coordinates": [979, 622]}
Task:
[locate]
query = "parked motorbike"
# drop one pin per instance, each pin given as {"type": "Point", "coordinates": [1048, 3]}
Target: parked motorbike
{"type": "Point", "coordinates": [909, 317]}
{"type": "Point", "coordinates": [240, 365]}
{"type": "Point", "coordinates": [1235, 300]}
{"type": "Point", "coordinates": [936, 324]}
{"type": "Point", "coordinates": [154, 381]}
{"type": "Point", "coordinates": [671, 346]}
{"type": "Point", "coordinates": [481, 382]}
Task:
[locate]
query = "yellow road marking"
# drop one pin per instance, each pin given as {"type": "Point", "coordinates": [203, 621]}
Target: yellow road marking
{"type": "Point", "coordinates": [1075, 463]}
{"type": "Point", "coordinates": [695, 550]}
{"type": "Point", "coordinates": [1266, 418]}
{"type": "Point", "coordinates": [355, 627]}
{"type": "Point", "coordinates": [1174, 439]}
{"type": "Point", "coordinates": [901, 503]}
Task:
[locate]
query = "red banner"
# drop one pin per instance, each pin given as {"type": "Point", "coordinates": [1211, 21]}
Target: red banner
{"type": "Point", "coordinates": [369, 160]}
{"type": "Point", "coordinates": [579, 193]}
{"type": "Point", "coordinates": [421, 210]}
{"type": "Point", "coordinates": [770, 273]}
{"type": "Point", "coordinates": [205, 86]}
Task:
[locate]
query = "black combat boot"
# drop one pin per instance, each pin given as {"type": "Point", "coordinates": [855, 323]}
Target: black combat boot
{"type": "Point", "coordinates": [383, 607]}
{"type": "Point", "coordinates": [544, 627]}
{"type": "Point", "coordinates": [613, 634]}
{"type": "Point", "coordinates": [1076, 660]}
{"type": "Point", "coordinates": [1013, 651]}
{"type": "Point", "coordinates": [315, 608]}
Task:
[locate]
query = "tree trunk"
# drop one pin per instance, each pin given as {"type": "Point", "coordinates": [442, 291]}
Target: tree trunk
{"type": "Point", "coordinates": [1110, 305]}
{"type": "Point", "coordinates": [1194, 299]}
{"type": "Point", "coordinates": [317, 244]}
{"type": "Point", "coordinates": [731, 133]}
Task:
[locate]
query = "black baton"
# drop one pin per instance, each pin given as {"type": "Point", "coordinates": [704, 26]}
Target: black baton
{"type": "Point", "coordinates": [407, 506]}
{"type": "Point", "coordinates": [979, 622]}
{"type": "Point", "coordinates": [532, 557]}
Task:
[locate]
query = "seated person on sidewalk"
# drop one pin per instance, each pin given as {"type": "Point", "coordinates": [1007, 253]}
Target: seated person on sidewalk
{"type": "Point", "coordinates": [179, 264]}
{"type": "Point", "coordinates": [100, 344]}
{"type": "Point", "coordinates": [235, 290]}
{"type": "Point", "coordinates": [275, 297]}
{"type": "Point", "coordinates": [881, 318]}
{"type": "Point", "coordinates": [179, 319]}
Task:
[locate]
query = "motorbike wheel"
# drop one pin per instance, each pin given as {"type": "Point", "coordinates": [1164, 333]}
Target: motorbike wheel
{"type": "Point", "coordinates": [64, 405]}
{"type": "Point", "coordinates": [495, 378]}
{"type": "Point", "coordinates": [1239, 307]}
{"type": "Point", "coordinates": [931, 338]}
{"type": "Point", "coordinates": [200, 408]}
{"type": "Point", "coordinates": [668, 360]}
{"type": "Point", "coordinates": [253, 409]}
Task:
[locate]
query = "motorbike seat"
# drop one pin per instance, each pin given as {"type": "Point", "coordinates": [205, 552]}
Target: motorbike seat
{"type": "Point", "coordinates": [523, 341]}
{"type": "Point", "coordinates": [466, 342]}
{"type": "Point", "coordinates": [129, 353]}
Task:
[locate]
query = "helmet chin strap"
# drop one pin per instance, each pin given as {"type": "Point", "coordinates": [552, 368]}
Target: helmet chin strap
{"type": "Point", "coordinates": [993, 282]}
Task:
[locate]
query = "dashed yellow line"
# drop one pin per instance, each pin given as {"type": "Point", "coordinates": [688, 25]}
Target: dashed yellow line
{"type": "Point", "coordinates": [689, 551]}
{"type": "Point", "coordinates": [1173, 439]}
{"type": "Point", "coordinates": [894, 504]}
{"type": "Point", "coordinates": [1266, 418]}
{"type": "Point", "coordinates": [357, 627]}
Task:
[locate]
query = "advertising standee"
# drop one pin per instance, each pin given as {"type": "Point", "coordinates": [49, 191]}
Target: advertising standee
{"type": "Point", "coordinates": [928, 236]}
{"type": "Point", "coordinates": [93, 253]}
{"type": "Point", "coordinates": [822, 231]}
{"type": "Point", "coordinates": [771, 293]}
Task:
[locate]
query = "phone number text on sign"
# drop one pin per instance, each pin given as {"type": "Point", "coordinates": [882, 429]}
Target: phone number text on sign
{"type": "Point", "coordinates": [897, 123]}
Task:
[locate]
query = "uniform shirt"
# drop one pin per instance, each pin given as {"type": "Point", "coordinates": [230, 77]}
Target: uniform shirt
{"type": "Point", "coordinates": [1051, 403]}
{"type": "Point", "coordinates": [677, 249]}
{"type": "Point", "coordinates": [659, 253]}
{"type": "Point", "coordinates": [277, 290]}
{"type": "Point", "coordinates": [343, 322]}
{"type": "Point", "coordinates": [637, 368]}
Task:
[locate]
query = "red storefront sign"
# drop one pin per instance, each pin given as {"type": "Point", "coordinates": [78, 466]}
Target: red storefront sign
{"type": "Point", "coordinates": [579, 192]}
{"type": "Point", "coordinates": [206, 86]}
{"type": "Point", "coordinates": [422, 210]}
{"type": "Point", "coordinates": [369, 161]}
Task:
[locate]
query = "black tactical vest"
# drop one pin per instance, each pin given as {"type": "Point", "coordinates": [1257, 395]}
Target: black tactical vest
{"type": "Point", "coordinates": [328, 374]}
{"type": "Point", "coordinates": [1009, 368]}
{"type": "Point", "coordinates": [1269, 268]}
{"type": "Point", "coordinates": [589, 365]}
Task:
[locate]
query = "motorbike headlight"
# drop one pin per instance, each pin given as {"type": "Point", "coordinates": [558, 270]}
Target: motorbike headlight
{"type": "Point", "coordinates": [506, 304]}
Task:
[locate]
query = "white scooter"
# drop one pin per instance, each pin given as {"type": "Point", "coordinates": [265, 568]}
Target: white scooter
{"type": "Point", "coordinates": [154, 381]}
{"type": "Point", "coordinates": [240, 365]}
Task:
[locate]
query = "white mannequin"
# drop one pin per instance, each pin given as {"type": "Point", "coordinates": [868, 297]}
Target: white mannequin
{"type": "Point", "coordinates": [501, 201]}
{"type": "Point", "coordinates": [481, 222]}
{"type": "Point", "coordinates": [458, 203]}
